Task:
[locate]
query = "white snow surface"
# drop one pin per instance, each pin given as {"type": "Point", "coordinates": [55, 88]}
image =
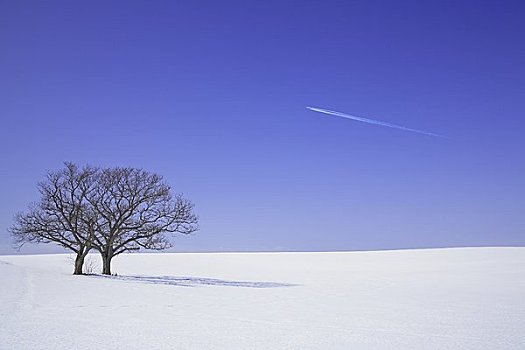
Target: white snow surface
{"type": "Point", "coordinates": [462, 298]}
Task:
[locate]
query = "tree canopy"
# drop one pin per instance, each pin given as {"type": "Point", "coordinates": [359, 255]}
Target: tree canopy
{"type": "Point", "coordinates": [111, 210]}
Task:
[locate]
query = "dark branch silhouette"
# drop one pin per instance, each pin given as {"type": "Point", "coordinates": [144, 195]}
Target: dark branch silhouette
{"type": "Point", "coordinates": [63, 215]}
{"type": "Point", "coordinates": [113, 210]}
{"type": "Point", "coordinates": [135, 209]}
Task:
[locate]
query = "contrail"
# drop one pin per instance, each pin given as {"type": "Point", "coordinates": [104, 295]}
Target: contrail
{"type": "Point", "coordinates": [371, 121]}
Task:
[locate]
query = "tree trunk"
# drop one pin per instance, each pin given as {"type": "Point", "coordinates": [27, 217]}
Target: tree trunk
{"type": "Point", "coordinates": [79, 261]}
{"type": "Point", "coordinates": [106, 263]}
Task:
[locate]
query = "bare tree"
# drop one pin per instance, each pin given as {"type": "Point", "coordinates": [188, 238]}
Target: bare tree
{"type": "Point", "coordinates": [135, 209]}
{"type": "Point", "coordinates": [63, 214]}
{"type": "Point", "coordinates": [112, 210]}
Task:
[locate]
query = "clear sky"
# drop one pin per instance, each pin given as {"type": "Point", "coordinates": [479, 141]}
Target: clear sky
{"type": "Point", "coordinates": [212, 95]}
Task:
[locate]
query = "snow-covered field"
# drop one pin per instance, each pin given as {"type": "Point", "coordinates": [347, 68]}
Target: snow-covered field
{"type": "Point", "coordinates": [468, 298]}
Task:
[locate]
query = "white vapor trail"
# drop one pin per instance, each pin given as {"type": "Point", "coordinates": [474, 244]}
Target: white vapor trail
{"type": "Point", "coordinates": [370, 121]}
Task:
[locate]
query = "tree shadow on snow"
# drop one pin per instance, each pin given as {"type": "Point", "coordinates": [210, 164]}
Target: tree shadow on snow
{"type": "Point", "coordinates": [196, 281]}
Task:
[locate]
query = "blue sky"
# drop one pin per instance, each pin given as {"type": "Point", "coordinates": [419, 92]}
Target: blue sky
{"type": "Point", "coordinates": [212, 95]}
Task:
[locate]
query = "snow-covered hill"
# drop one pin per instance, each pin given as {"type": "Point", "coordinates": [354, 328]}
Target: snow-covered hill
{"type": "Point", "coordinates": [468, 298]}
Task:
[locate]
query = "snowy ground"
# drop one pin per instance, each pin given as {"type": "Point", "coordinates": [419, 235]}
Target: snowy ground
{"type": "Point", "coordinates": [471, 298]}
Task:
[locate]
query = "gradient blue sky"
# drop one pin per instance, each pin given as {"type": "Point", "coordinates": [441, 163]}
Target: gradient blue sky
{"type": "Point", "coordinates": [212, 95]}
